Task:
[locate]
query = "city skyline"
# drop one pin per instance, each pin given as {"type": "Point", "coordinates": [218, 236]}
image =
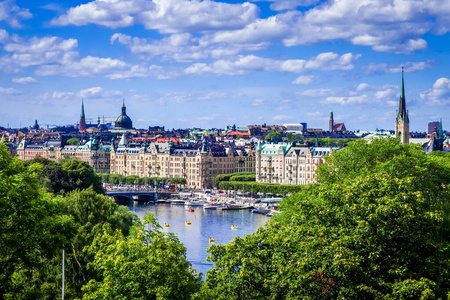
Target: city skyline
{"type": "Point", "coordinates": [208, 64]}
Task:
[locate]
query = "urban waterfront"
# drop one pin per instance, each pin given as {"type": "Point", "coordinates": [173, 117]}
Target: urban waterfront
{"type": "Point", "coordinates": [205, 224]}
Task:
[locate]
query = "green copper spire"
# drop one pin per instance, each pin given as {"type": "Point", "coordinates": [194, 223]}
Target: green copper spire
{"type": "Point", "coordinates": [402, 93]}
{"type": "Point", "coordinates": [441, 131]}
{"type": "Point", "coordinates": [82, 109]}
{"type": "Point", "coordinates": [402, 113]}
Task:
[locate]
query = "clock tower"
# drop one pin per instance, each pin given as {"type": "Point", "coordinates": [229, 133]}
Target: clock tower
{"type": "Point", "coordinates": [402, 119]}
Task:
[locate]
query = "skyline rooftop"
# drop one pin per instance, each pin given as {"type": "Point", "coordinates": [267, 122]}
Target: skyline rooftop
{"type": "Point", "coordinates": [183, 64]}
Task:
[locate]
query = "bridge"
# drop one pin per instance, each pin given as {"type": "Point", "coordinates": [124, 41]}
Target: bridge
{"type": "Point", "coordinates": [125, 196]}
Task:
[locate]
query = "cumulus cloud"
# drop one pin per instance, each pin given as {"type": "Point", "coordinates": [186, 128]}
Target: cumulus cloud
{"type": "Point", "coordinates": [278, 5]}
{"type": "Point", "coordinates": [91, 66]}
{"type": "Point", "coordinates": [257, 102]}
{"type": "Point", "coordinates": [439, 94]}
{"type": "Point", "coordinates": [13, 14]}
{"type": "Point", "coordinates": [166, 16]}
{"type": "Point", "coordinates": [316, 93]}
{"type": "Point", "coordinates": [374, 68]}
{"type": "Point", "coordinates": [282, 117]}
{"type": "Point", "coordinates": [257, 34]}
{"type": "Point", "coordinates": [304, 80]}
{"type": "Point", "coordinates": [10, 91]}
{"type": "Point", "coordinates": [345, 100]}
{"type": "Point", "coordinates": [38, 51]}
{"type": "Point", "coordinates": [24, 80]}
{"type": "Point", "coordinates": [252, 63]}
{"type": "Point", "coordinates": [391, 25]}
{"type": "Point", "coordinates": [98, 92]}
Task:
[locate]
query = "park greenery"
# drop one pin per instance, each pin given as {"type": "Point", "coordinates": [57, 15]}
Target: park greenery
{"type": "Point", "coordinates": [73, 141]}
{"type": "Point", "coordinates": [133, 179]}
{"type": "Point", "coordinates": [246, 181]}
{"type": "Point", "coordinates": [375, 226]}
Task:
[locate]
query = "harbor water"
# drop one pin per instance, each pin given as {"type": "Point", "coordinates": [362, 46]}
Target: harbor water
{"type": "Point", "coordinates": [205, 224]}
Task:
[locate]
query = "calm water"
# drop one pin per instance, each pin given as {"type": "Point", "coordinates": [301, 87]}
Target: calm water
{"type": "Point", "coordinates": [205, 224]}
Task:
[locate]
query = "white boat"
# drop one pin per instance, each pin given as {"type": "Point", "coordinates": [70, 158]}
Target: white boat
{"type": "Point", "coordinates": [212, 206]}
{"type": "Point", "coordinates": [194, 203]}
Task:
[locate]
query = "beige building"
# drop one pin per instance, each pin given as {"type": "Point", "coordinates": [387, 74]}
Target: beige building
{"type": "Point", "coordinates": [286, 163]}
{"type": "Point", "coordinates": [95, 154]}
{"type": "Point", "coordinates": [199, 165]}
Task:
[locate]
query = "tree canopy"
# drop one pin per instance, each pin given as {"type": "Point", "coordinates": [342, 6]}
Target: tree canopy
{"type": "Point", "coordinates": [376, 227]}
{"type": "Point", "coordinates": [148, 264]}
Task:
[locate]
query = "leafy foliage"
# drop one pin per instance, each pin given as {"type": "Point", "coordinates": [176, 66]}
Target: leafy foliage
{"type": "Point", "coordinates": [227, 177]}
{"type": "Point", "coordinates": [32, 229]}
{"type": "Point", "coordinates": [377, 227]}
{"type": "Point", "coordinates": [73, 141]}
{"type": "Point", "coordinates": [274, 135]}
{"type": "Point", "coordinates": [148, 264]}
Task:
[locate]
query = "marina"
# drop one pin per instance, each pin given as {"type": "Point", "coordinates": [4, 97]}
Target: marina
{"type": "Point", "coordinates": [199, 229]}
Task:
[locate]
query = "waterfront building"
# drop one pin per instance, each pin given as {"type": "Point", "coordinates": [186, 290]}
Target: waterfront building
{"type": "Point", "coordinates": [402, 119]}
{"type": "Point", "coordinates": [95, 154]}
{"type": "Point", "coordinates": [198, 163]}
{"type": "Point", "coordinates": [287, 163]}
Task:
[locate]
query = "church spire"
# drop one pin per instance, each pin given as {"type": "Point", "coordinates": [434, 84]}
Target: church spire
{"type": "Point", "coordinates": [402, 113]}
{"type": "Point", "coordinates": [402, 119]}
{"type": "Point", "coordinates": [82, 126]}
{"type": "Point", "coordinates": [82, 109]}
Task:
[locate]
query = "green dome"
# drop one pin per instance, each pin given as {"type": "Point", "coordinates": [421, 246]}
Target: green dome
{"type": "Point", "coordinates": [124, 121]}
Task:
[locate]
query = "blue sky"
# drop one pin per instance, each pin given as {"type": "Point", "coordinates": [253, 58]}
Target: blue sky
{"type": "Point", "coordinates": [181, 63]}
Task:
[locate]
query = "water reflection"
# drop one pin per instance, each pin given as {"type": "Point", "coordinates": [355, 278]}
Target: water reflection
{"type": "Point", "coordinates": [204, 225]}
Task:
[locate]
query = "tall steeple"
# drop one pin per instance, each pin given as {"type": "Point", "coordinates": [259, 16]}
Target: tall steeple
{"type": "Point", "coordinates": [402, 119]}
{"type": "Point", "coordinates": [331, 125]}
{"type": "Point", "coordinates": [441, 131]}
{"type": "Point", "coordinates": [82, 126]}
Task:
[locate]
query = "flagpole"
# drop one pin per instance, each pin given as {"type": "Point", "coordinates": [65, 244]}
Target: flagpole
{"type": "Point", "coordinates": [63, 275]}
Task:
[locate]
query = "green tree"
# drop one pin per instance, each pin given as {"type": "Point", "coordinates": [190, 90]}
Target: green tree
{"type": "Point", "coordinates": [73, 141]}
{"type": "Point", "coordinates": [32, 229]}
{"type": "Point", "coordinates": [148, 264]}
{"type": "Point", "coordinates": [81, 175]}
{"type": "Point", "coordinates": [377, 227]}
{"type": "Point", "coordinates": [274, 135]}
{"type": "Point", "coordinates": [291, 137]}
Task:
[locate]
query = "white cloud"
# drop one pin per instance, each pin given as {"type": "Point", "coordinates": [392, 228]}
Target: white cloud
{"type": "Point", "coordinates": [289, 4]}
{"type": "Point", "coordinates": [24, 80]}
{"type": "Point", "coordinates": [316, 93]}
{"type": "Point", "coordinates": [304, 80]}
{"type": "Point", "coordinates": [390, 25]}
{"type": "Point", "coordinates": [363, 86]}
{"type": "Point", "coordinates": [439, 94]}
{"type": "Point", "coordinates": [12, 14]}
{"type": "Point", "coordinates": [258, 34]}
{"type": "Point", "coordinates": [257, 102]}
{"type": "Point", "coordinates": [282, 117]}
{"type": "Point", "coordinates": [98, 92]}
{"type": "Point", "coordinates": [251, 63]}
{"type": "Point", "coordinates": [167, 16]}
{"type": "Point", "coordinates": [39, 51]}
{"type": "Point", "coordinates": [397, 68]}
{"type": "Point", "coordinates": [385, 94]}
{"type": "Point", "coordinates": [346, 100]}
{"type": "Point", "coordinates": [92, 66]}
{"type": "Point", "coordinates": [10, 91]}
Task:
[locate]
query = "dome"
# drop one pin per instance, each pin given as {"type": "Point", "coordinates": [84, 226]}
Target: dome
{"type": "Point", "coordinates": [123, 121]}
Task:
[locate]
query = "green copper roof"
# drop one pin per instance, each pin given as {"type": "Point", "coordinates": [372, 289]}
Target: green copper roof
{"type": "Point", "coordinates": [82, 109]}
{"type": "Point", "coordinates": [402, 113]}
{"type": "Point", "coordinates": [402, 93]}
{"type": "Point", "coordinates": [441, 131]}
